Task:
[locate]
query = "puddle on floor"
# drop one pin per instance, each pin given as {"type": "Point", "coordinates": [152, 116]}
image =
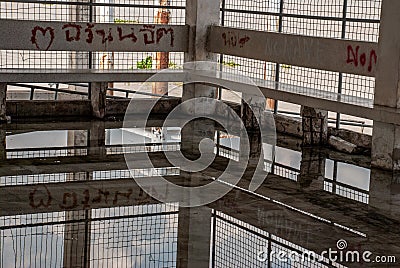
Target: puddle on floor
{"type": "Point", "coordinates": [68, 199]}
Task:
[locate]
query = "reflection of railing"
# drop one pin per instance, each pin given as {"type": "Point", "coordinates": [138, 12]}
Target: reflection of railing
{"type": "Point", "coordinates": [47, 152]}
{"type": "Point", "coordinates": [292, 173]}
{"type": "Point", "coordinates": [238, 244]}
{"type": "Point", "coordinates": [57, 90]}
{"type": "Point", "coordinates": [275, 168]}
{"type": "Point", "coordinates": [83, 150]}
{"type": "Point", "coordinates": [106, 237]}
{"type": "Point", "coordinates": [346, 190]}
{"type": "Point", "coordinates": [81, 176]}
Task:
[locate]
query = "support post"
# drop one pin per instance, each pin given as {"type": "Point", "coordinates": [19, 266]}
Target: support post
{"type": "Point", "coordinates": [194, 237]}
{"type": "Point", "coordinates": [98, 99]}
{"type": "Point", "coordinates": [315, 126]}
{"type": "Point", "coordinates": [3, 97]}
{"type": "Point", "coordinates": [386, 137]}
{"type": "Point", "coordinates": [200, 14]}
{"type": "Point", "coordinates": [97, 139]}
{"type": "Point", "coordinates": [312, 168]}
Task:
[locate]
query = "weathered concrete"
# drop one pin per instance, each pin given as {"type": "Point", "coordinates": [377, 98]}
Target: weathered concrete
{"type": "Point", "coordinates": [3, 107]}
{"type": "Point", "coordinates": [194, 237]}
{"type": "Point", "coordinates": [200, 14]}
{"type": "Point", "coordinates": [53, 109]}
{"type": "Point", "coordinates": [97, 139]}
{"type": "Point", "coordinates": [364, 141]}
{"type": "Point", "coordinates": [315, 126]}
{"type": "Point", "coordinates": [147, 38]}
{"type": "Point", "coordinates": [312, 52]}
{"type": "Point", "coordinates": [386, 137]}
{"type": "Point", "coordinates": [288, 125]}
{"type": "Point", "coordinates": [342, 145]}
{"type": "Point", "coordinates": [312, 168]}
{"type": "Point", "coordinates": [3, 153]}
{"type": "Point", "coordinates": [98, 99]}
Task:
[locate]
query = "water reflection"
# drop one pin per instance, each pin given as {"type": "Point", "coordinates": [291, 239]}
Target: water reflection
{"type": "Point", "coordinates": [82, 208]}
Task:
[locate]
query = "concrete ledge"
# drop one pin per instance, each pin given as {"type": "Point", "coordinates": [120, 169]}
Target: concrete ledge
{"type": "Point", "coordinates": [21, 109]}
{"type": "Point", "coordinates": [359, 139]}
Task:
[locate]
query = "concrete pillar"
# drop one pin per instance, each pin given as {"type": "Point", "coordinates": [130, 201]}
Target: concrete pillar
{"type": "Point", "coordinates": [194, 237]}
{"type": "Point", "coordinates": [98, 98]}
{"type": "Point", "coordinates": [200, 14]}
{"type": "Point", "coordinates": [315, 126]}
{"type": "Point", "coordinates": [3, 97]}
{"type": "Point", "coordinates": [386, 137]}
{"type": "Point", "coordinates": [312, 168]}
{"type": "Point", "coordinates": [3, 147]}
{"type": "Point", "coordinates": [384, 192]}
{"type": "Point", "coordinates": [77, 239]}
{"type": "Point", "coordinates": [77, 234]}
{"type": "Point", "coordinates": [97, 139]}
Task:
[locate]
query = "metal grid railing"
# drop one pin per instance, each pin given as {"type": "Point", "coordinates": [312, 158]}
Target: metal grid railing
{"type": "Point", "coordinates": [96, 175]}
{"type": "Point", "coordinates": [238, 244]}
{"type": "Point", "coordinates": [135, 236]}
{"type": "Point", "coordinates": [341, 19]}
{"type": "Point", "coordinates": [110, 11]}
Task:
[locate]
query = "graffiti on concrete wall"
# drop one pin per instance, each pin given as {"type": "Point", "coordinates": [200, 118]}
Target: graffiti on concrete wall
{"type": "Point", "coordinates": [43, 37]}
{"type": "Point", "coordinates": [361, 59]}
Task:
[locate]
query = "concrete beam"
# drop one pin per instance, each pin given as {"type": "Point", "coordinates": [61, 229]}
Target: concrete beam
{"type": "Point", "coordinates": [83, 76]}
{"type": "Point", "coordinates": [52, 109]}
{"type": "Point", "coordinates": [313, 52]}
{"type": "Point", "coordinates": [79, 36]}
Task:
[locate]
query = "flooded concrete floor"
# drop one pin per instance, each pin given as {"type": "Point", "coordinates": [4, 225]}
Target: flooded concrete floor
{"type": "Point", "coordinates": [68, 199]}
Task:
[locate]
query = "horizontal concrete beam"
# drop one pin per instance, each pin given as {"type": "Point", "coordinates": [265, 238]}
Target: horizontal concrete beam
{"type": "Point", "coordinates": [318, 99]}
{"type": "Point", "coordinates": [24, 109]}
{"type": "Point", "coordinates": [313, 52]}
{"type": "Point", "coordinates": [77, 36]}
{"type": "Point", "coordinates": [84, 76]}
{"type": "Point", "coordinates": [163, 106]}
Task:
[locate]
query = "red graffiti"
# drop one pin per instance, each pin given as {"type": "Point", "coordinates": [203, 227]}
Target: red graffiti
{"type": "Point", "coordinates": [44, 31]}
{"type": "Point", "coordinates": [74, 32]}
{"type": "Point", "coordinates": [100, 196]}
{"type": "Point", "coordinates": [108, 38]}
{"type": "Point", "coordinates": [126, 195]}
{"type": "Point", "coordinates": [149, 34]}
{"type": "Point", "coordinates": [232, 39]}
{"type": "Point", "coordinates": [40, 202]}
{"type": "Point", "coordinates": [354, 57]}
{"type": "Point", "coordinates": [70, 201]}
{"type": "Point", "coordinates": [77, 29]}
{"type": "Point", "coordinates": [243, 41]}
{"type": "Point", "coordinates": [122, 37]}
{"type": "Point", "coordinates": [89, 32]}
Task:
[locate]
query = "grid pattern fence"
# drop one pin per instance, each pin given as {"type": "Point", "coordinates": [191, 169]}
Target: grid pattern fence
{"type": "Point", "coordinates": [134, 236]}
{"type": "Point", "coordinates": [239, 244]}
{"type": "Point", "coordinates": [100, 11]}
{"type": "Point", "coordinates": [339, 19]}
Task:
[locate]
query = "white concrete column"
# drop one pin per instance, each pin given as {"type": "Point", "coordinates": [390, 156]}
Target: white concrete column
{"type": "Point", "coordinates": [386, 137]}
{"type": "Point", "coordinates": [194, 237]}
{"type": "Point", "coordinates": [200, 14]}
{"type": "Point", "coordinates": [98, 95]}
{"type": "Point", "coordinates": [3, 97]}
